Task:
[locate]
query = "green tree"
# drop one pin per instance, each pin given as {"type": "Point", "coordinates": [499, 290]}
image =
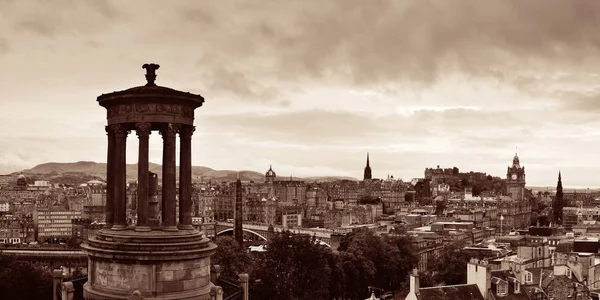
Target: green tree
{"type": "Point", "coordinates": [74, 242]}
{"type": "Point", "coordinates": [294, 267]}
{"type": "Point", "coordinates": [20, 280]}
{"type": "Point", "coordinates": [231, 257]}
{"type": "Point", "coordinates": [371, 260]}
{"type": "Point", "coordinates": [426, 279]}
{"type": "Point", "coordinates": [451, 266]}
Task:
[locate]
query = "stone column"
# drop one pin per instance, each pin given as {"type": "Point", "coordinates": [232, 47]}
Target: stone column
{"type": "Point", "coordinates": [245, 284]}
{"type": "Point", "coordinates": [143, 131]}
{"type": "Point", "coordinates": [185, 177]}
{"type": "Point", "coordinates": [110, 186]}
{"type": "Point", "coordinates": [215, 273]}
{"type": "Point", "coordinates": [216, 293]}
{"type": "Point", "coordinates": [67, 291]}
{"type": "Point", "coordinates": [120, 195]}
{"type": "Point", "coordinates": [57, 279]}
{"type": "Point", "coordinates": [169, 181]}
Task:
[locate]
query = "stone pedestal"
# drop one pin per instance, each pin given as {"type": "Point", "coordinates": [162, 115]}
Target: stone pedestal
{"type": "Point", "coordinates": [160, 265]}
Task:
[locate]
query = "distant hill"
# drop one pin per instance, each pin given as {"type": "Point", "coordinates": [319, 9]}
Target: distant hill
{"type": "Point", "coordinates": [95, 169]}
{"type": "Point", "coordinates": [92, 169]}
{"type": "Point", "coordinates": [328, 178]}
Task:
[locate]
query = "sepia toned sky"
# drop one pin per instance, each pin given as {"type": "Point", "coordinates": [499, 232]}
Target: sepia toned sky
{"type": "Point", "coordinates": [312, 86]}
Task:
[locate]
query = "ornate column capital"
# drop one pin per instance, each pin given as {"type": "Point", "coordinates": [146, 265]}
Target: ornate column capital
{"type": "Point", "coordinates": [143, 129]}
{"type": "Point", "coordinates": [119, 130]}
{"type": "Point", "coordinates": [186, 131]}
{"type": "Point", "coordinates": [170, 130]}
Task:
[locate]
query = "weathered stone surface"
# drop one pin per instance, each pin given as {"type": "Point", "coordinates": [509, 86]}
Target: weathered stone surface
{"type": "Point", "coordinates": [169, 286]}
{"type": "Point", "coordinates": [165, 276]}
{"type": "Point", "coordinates": [191, 284]}
{"type": "Point", "coordinates": [200, 272]}
{"type": "Point", "coordinates": [120, 276]}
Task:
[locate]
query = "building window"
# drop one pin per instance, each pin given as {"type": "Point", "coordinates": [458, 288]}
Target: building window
{"type": "Point", "coordinates": [502, 289]}
{"type": "Point", "coordinates": [528, 277]}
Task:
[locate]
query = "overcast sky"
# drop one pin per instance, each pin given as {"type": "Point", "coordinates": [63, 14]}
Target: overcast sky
{"type": "Point", "coordinates": [312, 86]}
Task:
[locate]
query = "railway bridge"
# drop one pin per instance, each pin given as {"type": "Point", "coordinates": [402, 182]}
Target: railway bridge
{"type": "Point", "coordinates": [254, 232]}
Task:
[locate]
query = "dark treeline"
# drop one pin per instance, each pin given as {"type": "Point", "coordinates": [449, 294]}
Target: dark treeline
{"type": "Point", "coordinates": [21, 280]}
{"type": "Point", "coordinates": [298, 267]}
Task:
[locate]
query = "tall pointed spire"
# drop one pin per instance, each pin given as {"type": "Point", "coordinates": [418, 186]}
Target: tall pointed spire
{"type": "Point", "coordinates": [558, 203]}
{"type": "Point", "coordinates": [367, 173]}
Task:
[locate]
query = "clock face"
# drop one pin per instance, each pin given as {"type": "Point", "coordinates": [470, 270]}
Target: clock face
{"type": "Point", "coordinates": [514, 176]}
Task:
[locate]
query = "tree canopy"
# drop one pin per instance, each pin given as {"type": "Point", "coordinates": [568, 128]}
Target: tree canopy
{"type": "Point", "coordinates": [449, 268]}
{"type": "Point", "coordinates": [22, 280]}
{"type": "Point", "coordinates": [294, 267]}
{"type": "Point", "coordinates": [231, 257]}
{"type": "Point", "coordinates": [298, 267]}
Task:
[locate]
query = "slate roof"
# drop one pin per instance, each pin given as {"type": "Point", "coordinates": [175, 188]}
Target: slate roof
{"type": "Point", "coordinates": [564, 247]}
{"type": "Point", "coordinates": [461, 291]}
{"type": "Point", "coordinates": [546, 274]}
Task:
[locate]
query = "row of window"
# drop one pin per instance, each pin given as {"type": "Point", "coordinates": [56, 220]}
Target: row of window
{"type": "Point", "coordinates": [56, 221]}
{"type": "Point", "coordinates": [55, 230]}
{"type": "Point", "coordinates": [10, 240]}
{"type": "Point", "coordinates": [42, 213]}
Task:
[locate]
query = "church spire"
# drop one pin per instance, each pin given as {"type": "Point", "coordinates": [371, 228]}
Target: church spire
{"type": "Point", "coordinates": [559, 179]}
{"type": "Point", "coordinates": [559, 185]}
{"type": "Point", "coordinates": [367, 174]}
{"type": "Point", "coordinates": [558, 204]}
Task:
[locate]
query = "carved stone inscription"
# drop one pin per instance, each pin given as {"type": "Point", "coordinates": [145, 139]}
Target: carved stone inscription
{"type": "Point", "coordinates": [122, 277]}
{"type": "Point", "coordinates": [150, 108]}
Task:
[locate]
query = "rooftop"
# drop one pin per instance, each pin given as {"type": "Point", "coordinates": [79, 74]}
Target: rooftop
{"type": "Point", "coordinates": [460, 291]}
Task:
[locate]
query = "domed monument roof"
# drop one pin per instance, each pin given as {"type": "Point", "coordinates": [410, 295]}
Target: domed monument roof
{"type": "Point", "coordinates": [150, 102]}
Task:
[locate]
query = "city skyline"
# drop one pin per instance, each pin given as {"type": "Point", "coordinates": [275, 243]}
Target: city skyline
{"type": "Point", "coordinates": [310, 89]}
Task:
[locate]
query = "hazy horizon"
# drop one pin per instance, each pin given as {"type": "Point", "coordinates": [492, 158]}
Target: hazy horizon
{"type": "Point", "coordinates": [311, 87]}
{"type": "Point", "coordinates": [566, 188]}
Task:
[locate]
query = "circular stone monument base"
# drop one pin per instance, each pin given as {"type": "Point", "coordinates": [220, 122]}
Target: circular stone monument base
{"type": "Point", "coordinates": [159, 264]}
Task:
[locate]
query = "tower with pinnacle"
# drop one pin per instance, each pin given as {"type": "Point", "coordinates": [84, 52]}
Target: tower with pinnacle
{"type": "Point", "coordinates": [515, 180]}
{"type": "Point", "coordinates": [558, 203]}
{"type": "Point", "coordinates": [367, 174]}
{"type": "Point", "coordinates": [270, 175]}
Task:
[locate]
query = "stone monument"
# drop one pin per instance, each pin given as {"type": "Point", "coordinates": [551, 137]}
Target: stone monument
{"type": "Point", "coordinates": [159, 257]}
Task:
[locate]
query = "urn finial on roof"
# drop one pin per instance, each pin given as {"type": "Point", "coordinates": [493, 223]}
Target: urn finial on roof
{"type": "Point", "coordinates": [150, 73]}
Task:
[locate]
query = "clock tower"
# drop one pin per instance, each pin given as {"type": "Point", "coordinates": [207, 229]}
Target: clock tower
{"type": "Point", "coordinates": [515, 180]}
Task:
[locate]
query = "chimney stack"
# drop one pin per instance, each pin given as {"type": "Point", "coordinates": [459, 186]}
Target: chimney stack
{"type": "Point", "coordinates": [413, 294]}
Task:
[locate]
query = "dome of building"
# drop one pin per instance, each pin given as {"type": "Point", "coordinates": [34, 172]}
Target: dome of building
{"type": "Point", "coordinates": [21, 180]}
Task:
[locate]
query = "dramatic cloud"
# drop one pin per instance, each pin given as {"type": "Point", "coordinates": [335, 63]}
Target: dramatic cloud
{"type": "Point", "coordinates": [311, 86]}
